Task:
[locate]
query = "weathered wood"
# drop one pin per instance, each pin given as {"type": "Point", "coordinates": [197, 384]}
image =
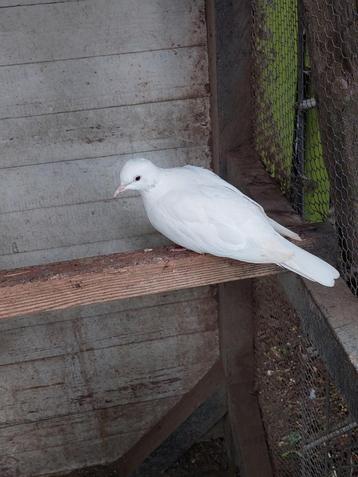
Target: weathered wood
{"type": "Point", "coordinates": [80, 386]}
{"type": "Point", "coordinates": [187, 434]}
{"type": "Point", "coordinates": [20, 3]}
{"type": "Point", "coordinates": [104, 132]}
{"type": "Point", "coordinates": [52, 32]}
{"type": "Point", "coordinates": [330, 319]}
{"type": "Point", "coordinates": [238, 355]}
{"type": "Point", "coordinates": [90, 226]}
{"type": "Point", "coordinates": [184, 335]}
{"type": "Point", "coordinates": [79, 181]}
{"type": "Point", "coordinates": [176, 416]}
{"type": "Point", "coordinates": [76, 391]}
{"type": "Point", "coordinates": [60, 445]}
{"type": "Point", "coordinates": [233, 34]}
{"type": "Point", "coordinates": [234, 20]}
{"type": "Point", "coordinates": [82, 282]}
{"type": "Point", "coordinates": [95, 83]}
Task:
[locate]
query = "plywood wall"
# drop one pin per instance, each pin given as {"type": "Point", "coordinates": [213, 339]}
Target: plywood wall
{"type": "Point", "coordinates": [84, 86]}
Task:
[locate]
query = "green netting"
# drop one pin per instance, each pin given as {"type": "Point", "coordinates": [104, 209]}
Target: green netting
{"type": "Point", "coordinates": [276, 92]}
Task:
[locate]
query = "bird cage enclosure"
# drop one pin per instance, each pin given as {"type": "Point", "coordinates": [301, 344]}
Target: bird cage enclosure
{"type": "Point", "coordinates": [305, 133]}
{"type": "Point", "coordinates": [305, 90]}
{"type": "Point", "coordinates": [117, 351]}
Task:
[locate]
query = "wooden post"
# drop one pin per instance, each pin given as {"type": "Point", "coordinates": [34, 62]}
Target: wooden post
{"type": "Point", "coordinates": [333, 50]}
{"type": "Point", "coordinates": [234, 131]}
{"type": "Point", "coordinates": [237, 350]}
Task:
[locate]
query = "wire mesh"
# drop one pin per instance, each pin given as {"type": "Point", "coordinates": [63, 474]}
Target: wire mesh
{"type": "Point", "coordinates": [305, 91]}
{"type": "Point", "coordinates": [306, 108]}
{"type": "Point", "coordinates": [309, 430]}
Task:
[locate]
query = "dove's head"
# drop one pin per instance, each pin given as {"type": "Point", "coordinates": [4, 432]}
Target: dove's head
{"type": "Point", "coordinates": [138, 174]}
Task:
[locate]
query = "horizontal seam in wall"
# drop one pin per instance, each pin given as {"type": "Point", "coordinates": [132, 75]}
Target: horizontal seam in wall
{"type": "Point", "coordinates": [104, 55]}
{"type": "Point", "coordinates": [103, 108]}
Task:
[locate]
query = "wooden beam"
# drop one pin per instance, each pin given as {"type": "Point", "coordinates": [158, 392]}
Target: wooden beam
{"type": "Point", "coordinates": [237, 349]}
{"type": "Point", "coordinates": [125, 275]}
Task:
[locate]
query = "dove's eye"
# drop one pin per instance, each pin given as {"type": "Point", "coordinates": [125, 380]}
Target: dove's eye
{"type": "Point", "coordinates": [137, 178]}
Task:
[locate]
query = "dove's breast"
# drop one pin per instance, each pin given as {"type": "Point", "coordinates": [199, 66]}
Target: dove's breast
{"type": "Point", "coordinates": [171, 228]}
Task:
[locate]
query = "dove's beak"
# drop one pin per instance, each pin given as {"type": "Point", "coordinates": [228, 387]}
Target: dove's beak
{"type": "Point", "coordinates": [119, 190]}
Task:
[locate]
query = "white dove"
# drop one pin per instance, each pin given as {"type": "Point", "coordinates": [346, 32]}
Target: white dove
{"type": "Point", "coordinates": [198, 210]}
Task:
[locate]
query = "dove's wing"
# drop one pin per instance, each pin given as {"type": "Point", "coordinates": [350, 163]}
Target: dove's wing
{"type": "Point", "coordinates": [206, 176]}
{"type": "Point", "coordinates": [217, 220]}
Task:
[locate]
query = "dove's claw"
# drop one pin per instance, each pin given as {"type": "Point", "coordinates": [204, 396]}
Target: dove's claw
{"type": "Point", "coordinates": [177, 248]}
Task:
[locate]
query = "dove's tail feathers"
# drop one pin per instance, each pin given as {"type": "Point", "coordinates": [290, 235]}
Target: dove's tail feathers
{"type": "Point", "coordinates": [311, 267]}
{"type": "Point", "coordinates": [283, 231]}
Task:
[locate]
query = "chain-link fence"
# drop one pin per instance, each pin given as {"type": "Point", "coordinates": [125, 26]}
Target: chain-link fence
{"type": "Point", "coordinates": [306, 132]}
{"type": "Point", "coordinates": [306, 107]}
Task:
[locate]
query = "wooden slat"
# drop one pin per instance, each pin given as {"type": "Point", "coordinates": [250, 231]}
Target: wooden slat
{"type": "Point", "coordinates": [20, 3]}
{"type": "Point", "coordinates": [213, 379]}
{"type": "Point", "coordinates": [57, 446]}
{"type": "Point", "coordinates": [104, 132]}
{"type": "Point", "coordinates": [236, 316]}
{"type": "Point", "coordinates": [104, 375]}
{"type": "Point", "coordinates": [94, 83]}
{"type": "Point", "coordinates": [83, 180]}
{"type": "Point", "coordinates": [203, 419]}
{"type": "Point", "coordinates": [119, 276]}
{"type": "Point", "coordinates": [238, 354]}
{"type": "Point", "coordinates": [96, 27]}
{"type": "Point", "coordinates": [75, 384]}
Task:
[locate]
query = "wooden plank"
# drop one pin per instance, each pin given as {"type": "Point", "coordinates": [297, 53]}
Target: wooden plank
{"type": "Point", "coordinates": [20, 3]}
{"type": "Point", "coordinates": [53, 255]}
{"type": "Point", "coordinates": [105, 384]}
{"type": "Point", "coordinates": [330, 319]}
{"type": "Point", "coordinates": [103, 330]}
{"type": "Point", "coordinates": [78, 181]}
{"type": "Point", "coordinates": [104, 132]}
{"type": "Point", "coordinates": [67, 456]}
{"type": "Point", "coordinates": [65, 30]}
{"type": "Point", "coordinates": [63, 444]}
{"type": "Point", "coordinates": [118, 276]}
{"type": "Point", "coordinates": [77, 381]}
{"type": "Point", "coordinates": [102, 82]}
{"type": "Point", "coordinates": [176, 416]}
{"type": "Point", "coordinates": [235, 129]}
{"type": "Point", "coordinates": [48, 228]}
{"type": "Point", "coordinates": [187, 434]}
{"type": "Point", "coordinates": [238, 354]}
{"type": "Point", "coordinates": [105, 377]}
{"type": "Point", "coordinates": [118, 420]}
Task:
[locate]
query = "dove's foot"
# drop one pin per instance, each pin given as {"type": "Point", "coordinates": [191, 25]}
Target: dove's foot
{"type": "Point", "coordinates": [177, 248]}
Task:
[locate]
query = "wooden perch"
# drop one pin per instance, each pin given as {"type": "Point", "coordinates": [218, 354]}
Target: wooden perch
{"type": "Point", "coordinates": [124, 275]}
